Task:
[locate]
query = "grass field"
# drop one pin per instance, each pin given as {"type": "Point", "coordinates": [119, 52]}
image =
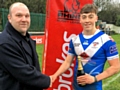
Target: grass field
{"type": "Point", "coordinates": [40, 49]}
{"type": "Point", "coordinates": [112, 83]}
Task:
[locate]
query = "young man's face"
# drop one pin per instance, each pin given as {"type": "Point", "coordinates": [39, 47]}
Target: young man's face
{"type": "Point", "coordinates": [88, 20]}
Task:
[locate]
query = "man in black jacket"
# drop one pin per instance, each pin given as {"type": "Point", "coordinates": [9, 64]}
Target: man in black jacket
{"type": "Point", "coordinates": [19, 66]}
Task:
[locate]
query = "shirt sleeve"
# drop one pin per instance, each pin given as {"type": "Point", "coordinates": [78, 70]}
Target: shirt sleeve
{"type": "Point", "coordinates": [111, 50]}
{"type": "Point", "coordinates": [71, 50]}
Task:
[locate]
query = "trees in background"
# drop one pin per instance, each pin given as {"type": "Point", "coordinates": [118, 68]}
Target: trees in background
{"type": "Point", "coordinates": [36, 6]}
{"type": "Point", "coordinates": [109, 11]}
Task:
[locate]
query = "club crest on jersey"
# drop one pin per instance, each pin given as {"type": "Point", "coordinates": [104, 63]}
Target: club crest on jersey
{"type": "Point", "coordinates": [113, 49]}
{"type": "Point", "coordinates": [95, 44]}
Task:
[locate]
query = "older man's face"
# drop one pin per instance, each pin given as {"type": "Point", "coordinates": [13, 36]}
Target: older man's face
{"type": "Point", "coordinates": [19, 18]}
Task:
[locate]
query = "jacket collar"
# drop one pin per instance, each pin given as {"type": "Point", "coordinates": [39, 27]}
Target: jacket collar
{"type": "Point", "coordinates": [19, 38]}
{"type": "Point", "coordinates": [14, 33]}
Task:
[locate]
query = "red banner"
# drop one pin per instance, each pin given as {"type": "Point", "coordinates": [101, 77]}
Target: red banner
{"type": "Point", "coordinates": [38, 38]}
{"type": "Point", "coordinates": [62, 23]}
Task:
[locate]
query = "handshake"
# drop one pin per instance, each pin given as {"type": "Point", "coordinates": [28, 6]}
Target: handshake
{"type": "Point", "coordinates": [52, 79]}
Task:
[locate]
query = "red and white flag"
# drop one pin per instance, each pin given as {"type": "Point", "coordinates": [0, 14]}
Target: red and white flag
{"type": "Point", "coordinates": [62, 23]}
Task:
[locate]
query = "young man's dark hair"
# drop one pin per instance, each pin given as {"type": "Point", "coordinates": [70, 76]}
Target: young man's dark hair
{"type": "Point", "coordinates": [89, 8]}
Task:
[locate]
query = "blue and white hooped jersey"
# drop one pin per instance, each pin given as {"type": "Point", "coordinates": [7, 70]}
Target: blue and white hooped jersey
{"type": "Point", "coordinates": [94, 52]}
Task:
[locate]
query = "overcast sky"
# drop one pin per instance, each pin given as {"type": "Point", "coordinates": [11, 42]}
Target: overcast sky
{"type": "Point", "coordinates": [116, 0]}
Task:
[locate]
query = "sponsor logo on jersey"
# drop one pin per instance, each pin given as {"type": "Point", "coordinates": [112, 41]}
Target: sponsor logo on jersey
{"type": "Point", "coordinates": [76, 44]}
{"type": "Point", "coordinates": [84, 55]}
{"type": "Point", "coordinates": [113, 49]}
{"type": "Point", "coordinates": [85, 42]}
